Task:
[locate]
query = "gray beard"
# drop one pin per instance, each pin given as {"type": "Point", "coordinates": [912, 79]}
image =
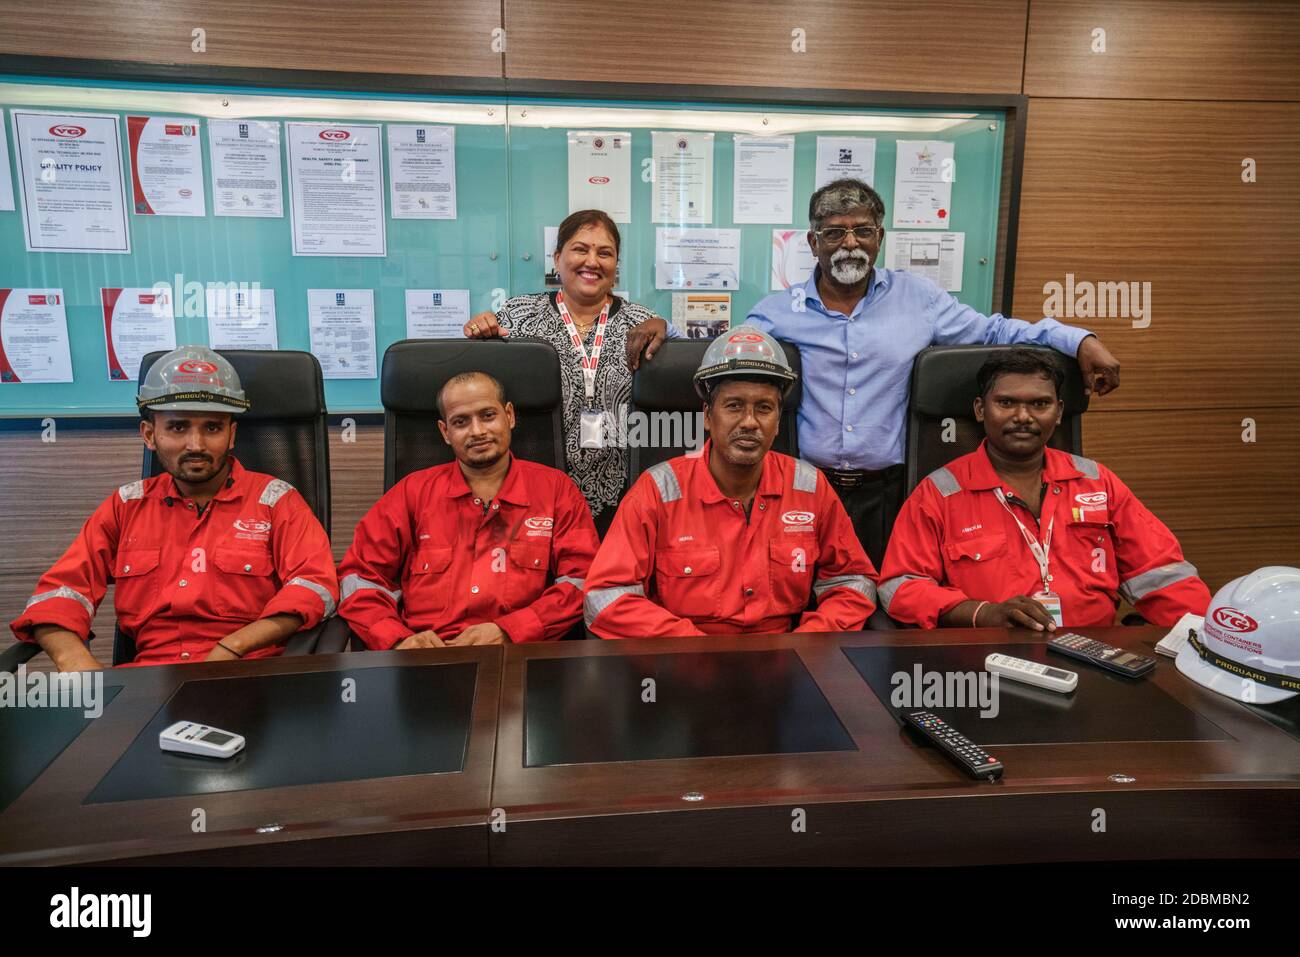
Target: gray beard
{"type": "Point", "coordinates": [850, 270]}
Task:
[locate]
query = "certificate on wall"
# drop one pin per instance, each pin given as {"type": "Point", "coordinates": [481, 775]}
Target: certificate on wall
{"type": "Point", "coordinates": [336, 190]}
{"type": "Point", "coordinates": [34, 336]}
{"type": "Point", "coordinates": [342, 323]}
{"type": "Point", "coordinates": [166, 166]}
{"type": "Point", "coordinates": [841, 157]}
{"type": "Point", "coordinates": [246, 178]}
{"type": "Point", "coordinates": [697, 259]}
{"type": "Point", "coordinates": [600, 173]}
{"type": "Point", "coordinates": [422, 171]}
{"type": "Point", "coordinates": [70, 171]}
{"type": "Point", "coordinates": [763, 190]}
{"type": "Point", "coordinates": [923, 184]}
{"type": "Point", "coordinates": [702, 315]}
{"type": "Point", "coordinates": [937, 256]}
{"type": "Point", "coordinates": [137, 321]}
{"type": "Point", "coordinates": [6, 175]}
{"type": "Point", "coordinates": [436, 313]}
{"type": "Point", "coordinates": [241, 318]}
{"type": "Point", "coordinates": [683, 172]}
{"type": "Point", "coordinates": [792, 260]}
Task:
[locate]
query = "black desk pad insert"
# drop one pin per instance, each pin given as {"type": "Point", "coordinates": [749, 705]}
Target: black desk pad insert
{"type": "Point", "coordinates": [707, 704]}
{"type": "Point", "coordinates": [1102, 708]}
{"type": "Point", "coordinates": [298, 730]}
{"type": "Point", "coordinates": [31, 738]}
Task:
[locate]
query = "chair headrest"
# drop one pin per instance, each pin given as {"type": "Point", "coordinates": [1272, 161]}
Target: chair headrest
{"type": "Point", "coordinates": [943, 380]}
{"type": "Point", "coordinates": [415, 369]}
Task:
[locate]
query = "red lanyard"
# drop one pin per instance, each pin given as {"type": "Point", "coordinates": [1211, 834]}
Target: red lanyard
{"type": "Point", "coordinates": [589, 363]}
{"type": "Point", "coordinates": [1040, 551]}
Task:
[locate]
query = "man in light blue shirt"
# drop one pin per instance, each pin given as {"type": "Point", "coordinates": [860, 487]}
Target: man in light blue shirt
{"type": "Point", "coordinates": [858, 329]}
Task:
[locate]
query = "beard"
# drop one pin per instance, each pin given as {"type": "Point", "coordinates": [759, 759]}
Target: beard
{"type": "Point", "coordinates": [849, 268]}
{"type": "Point", "coordinates": [206, 468]}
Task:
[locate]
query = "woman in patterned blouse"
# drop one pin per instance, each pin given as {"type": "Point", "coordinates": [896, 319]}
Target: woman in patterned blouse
{"type": "Point", "coordinates": [586, 259]}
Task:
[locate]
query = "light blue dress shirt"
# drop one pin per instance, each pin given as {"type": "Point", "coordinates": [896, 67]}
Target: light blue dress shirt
{"type": "Point", "coordinates": [857, 368]}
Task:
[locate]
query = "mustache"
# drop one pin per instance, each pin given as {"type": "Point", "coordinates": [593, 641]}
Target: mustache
{"type": "Point", "coordinates": [840, 255]}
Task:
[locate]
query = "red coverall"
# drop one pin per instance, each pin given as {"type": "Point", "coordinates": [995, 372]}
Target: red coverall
{"type": "Point", "coordinates": [953, 541]}
{"type": "Point", "coordinates": [427, 557]}
{"type": "Point", "coordinates": [682, 559]}
{"type": "Point", "coordinates": [186, 580]}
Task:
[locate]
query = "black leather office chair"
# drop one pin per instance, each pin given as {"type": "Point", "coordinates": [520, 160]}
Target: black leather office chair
{"type": "Point", "coordinates": [415, 369]}
{"type": "Point", "coordinates": [943, 387]}
{"type": "Point", "coordinates": [664, 385]}
{"type": "Point", "coordinates": [413, 372]}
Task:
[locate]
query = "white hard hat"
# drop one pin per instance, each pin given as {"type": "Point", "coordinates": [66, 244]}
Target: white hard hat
{"type": "Point", "coordinates": [1249, 648]}
{"type": "Point", "coordinates": [747, 351]}
{"type": "Point", "coordinates": [191, 379]}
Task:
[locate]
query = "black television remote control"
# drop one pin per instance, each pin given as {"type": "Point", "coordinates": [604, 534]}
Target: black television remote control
{"type": "Point", "coordinates": [958, 748]}
{"type": "Point", "coordinates": [1127, 663]}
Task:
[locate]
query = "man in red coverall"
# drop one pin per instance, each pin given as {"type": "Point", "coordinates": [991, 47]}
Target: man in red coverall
{"type": "Point", "coordinates": [1016, 534]}
{"type": "Point", "coordinates": [738, 539]}
{"type": "Point", "coordinates": [211, 561]}
{"type": "Point", "coordinates": [480, 551]}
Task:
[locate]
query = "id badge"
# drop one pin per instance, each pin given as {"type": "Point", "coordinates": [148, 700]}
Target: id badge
{"type": "Point", "coordinates": [592, 430]}
{"type": "Point", "coordinates": [1052, 602]}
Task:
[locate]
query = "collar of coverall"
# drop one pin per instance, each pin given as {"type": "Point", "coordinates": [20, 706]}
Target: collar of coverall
{"type": "Point", "coordinates": [229, 489]}
{"type": "Point", "coordinates": [513, 490]}
{"type": "Point", "coordinates": [980, 474]}
{"type": "Point", "coordinates": [704, 487]}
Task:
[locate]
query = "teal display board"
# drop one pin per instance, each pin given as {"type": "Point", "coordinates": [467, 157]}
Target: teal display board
{"type": "Point", "coordinates": [511, 166]}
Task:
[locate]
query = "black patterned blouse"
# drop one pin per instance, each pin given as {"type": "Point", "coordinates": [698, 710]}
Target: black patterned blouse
{"type": "Point", "coordinates": [598, 472]}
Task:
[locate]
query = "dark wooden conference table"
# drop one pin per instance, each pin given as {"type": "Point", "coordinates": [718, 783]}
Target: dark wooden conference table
{"type": "Point", "coordinates": [776, 749]}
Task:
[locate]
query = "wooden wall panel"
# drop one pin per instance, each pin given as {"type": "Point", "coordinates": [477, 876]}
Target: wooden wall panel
{"type": "Point", "coordinates": [1222, 554]}
{"type": "Point", "coordinates": [922, 45]}
{"type": "Point", "coordinates": [1165, 49]}
{"type": "Point", "coordinates": [356, 481]}
{"type": "Point", "coordinates": [47, 491]}
{"type": "Point", "coordinates": [1192, 468]}
{"type": "Point", "coordinates": [1125, 191]}
{"type": "Point", "coordinates": [442, 37]}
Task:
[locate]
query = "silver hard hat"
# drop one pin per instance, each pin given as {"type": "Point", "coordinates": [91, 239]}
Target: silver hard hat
{"type": "Point", "coordinates": [192, 379]}
{"type": "Point", "coordinates": [744, 351]}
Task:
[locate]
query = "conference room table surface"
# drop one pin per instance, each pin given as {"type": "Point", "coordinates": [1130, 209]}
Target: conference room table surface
{"type": "Point", "coordinates": [774, 749]}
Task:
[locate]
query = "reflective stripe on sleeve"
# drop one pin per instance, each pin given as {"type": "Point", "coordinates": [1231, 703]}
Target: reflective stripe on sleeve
{"type": "Point", "coordinates": [577, 583]}
{"type": "Point", "coordinates": [321, 591]}
{"type": "Point", "coordinates": [1139, 586]}
{"type": "Point", "coordinates": [597, 601]}
{"type": "Point", "coordinates": [859, 583]}
{"type": "Point", "coordinates": [62, 592]}
{"type": "Point", "coordinates": [805, 476]}
{"type": "Point", "coordinates": [275, 490]}
{"type": "Point", "coordinates": [945, 482]}
{"type": "Point", "coordinates": [352, 584]}
{"type": "Point", "coordinates": [1087, 466]}
{"type": "Point", "coordinates": [889, 588]}
{"type": "Point", "coordinates": [670, 490]}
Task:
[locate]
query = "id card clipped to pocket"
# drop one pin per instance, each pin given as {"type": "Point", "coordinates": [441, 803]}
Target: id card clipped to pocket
{"type": "Point", "coordinates": [591, 433]}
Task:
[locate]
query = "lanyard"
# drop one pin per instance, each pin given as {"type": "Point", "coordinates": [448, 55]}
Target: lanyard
{"type": "Point", "coordinates": [1040, 550]}
{"type": "Point", "coordinates": [589, 363]}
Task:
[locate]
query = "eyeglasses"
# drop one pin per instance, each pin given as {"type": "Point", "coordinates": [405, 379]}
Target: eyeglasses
{"type": "Point", "coordinates": [834, 235]}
